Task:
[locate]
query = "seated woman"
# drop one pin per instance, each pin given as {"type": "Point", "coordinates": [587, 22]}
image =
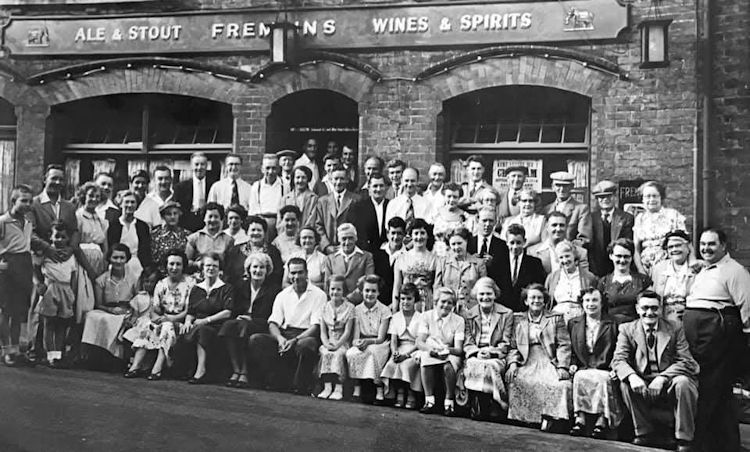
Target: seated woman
{"type": "Point", "coordinates": [538, 378]}
{"type": "Point", "coordinates": [593, 337]}
{"type": "Point", "coordinates": [253, 301]}
{"type": "Point", "coordinates": [234, 270]}
{"type": "Point", "coordinates": [489, 327]}
{"type": "Point", "coordinates": [336, 327]}
{"type": "Point", "coordinates": [370, 350]}
{"type": "Point", "coordinates": [210, 303]}
{"type": "Point", "coordinates": [169, 310]}
{"type": "Point", "coordinates": [402, 370]}
{"type": "Point", "coordinates": [113, 291]}
{"type": "Point", "coordinates": [621, 287]}
{"type": "Point", "coordinates": [236, 217]}
{"type": "Point", "coordinates": [532, 222]}
{"type": "Point", "coordinates": [308, 240]}
{"type": "Point", "coordinates": [566, 283]}
{"type": "Point", "coordinates": [210, 239]}
{"type": "Point", "coordinates": [459, 270]}
{"type": "Point", "coordinates": [674, 276]}
{"type": "Point", "coordinates": [440, 339]}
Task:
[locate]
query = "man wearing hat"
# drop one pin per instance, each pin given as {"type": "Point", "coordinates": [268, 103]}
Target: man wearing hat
{"type": "Point", "coordinates": [286, 164]}
{"type": "Point", "coordinates": [192, 194]}
{"type": "Point", "coordinates": [516, 177]}
{"type": "Point", "coordinates": [266, 194]}
{"type": "Point", "coordinates": [579, 221]}
{"type": "Point", "coordinates": [608, 224]}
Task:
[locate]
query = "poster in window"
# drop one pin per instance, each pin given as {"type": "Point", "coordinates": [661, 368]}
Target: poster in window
{"type": "Point", "coordinates": [534, 181]}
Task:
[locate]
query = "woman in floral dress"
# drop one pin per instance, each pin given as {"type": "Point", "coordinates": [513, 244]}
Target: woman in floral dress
{"type": "Point", "coordinates": [652, 225]}
{"type": "Point", "coordinates": [417, 266]}
{"type": "Point", "coordinates": [168, 236]}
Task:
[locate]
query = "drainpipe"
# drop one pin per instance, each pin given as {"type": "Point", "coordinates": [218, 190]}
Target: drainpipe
{"type": "Point", "coordinates": [707, 58]}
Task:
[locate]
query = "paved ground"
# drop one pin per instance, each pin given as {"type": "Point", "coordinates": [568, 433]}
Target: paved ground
{"type": "Point", "coordinates": [58, 410]}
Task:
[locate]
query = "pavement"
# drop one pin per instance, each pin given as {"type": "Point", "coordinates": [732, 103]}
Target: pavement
{"type": "Point", "coordinates": [43, 409]}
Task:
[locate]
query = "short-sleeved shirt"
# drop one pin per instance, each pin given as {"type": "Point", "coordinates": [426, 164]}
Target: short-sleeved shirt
{"type": "Point", "coordinates": [335, 318]}
{"type": "Point", "coordinates": [148, 211]}
{"type": "Point", "coordinates": [16, 238]}
{"type": "Point", "coordinates": [446, 330]}
{"type": "Point", "coordinates": [200, 243]}
{"type": "Point", "coordinates": [173, 301]}
{"type": "Point", "coordinates": [117, 292]}
{"type": "Point", "coordinates": [369, 320]}
{"type": "Point", "coordinates": [291, 310]}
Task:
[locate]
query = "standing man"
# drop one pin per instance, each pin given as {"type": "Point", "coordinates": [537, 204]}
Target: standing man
{"type": "Point", "coordinates": [608, 224]}
{"type": "Point", "coordinates": [487, 244]}
{"type": "Point", "coordinates": [434, 191]}
{"type": "Point", "coordinates": [717, 314]}
{"type": "Point", "coordinates": [654, 366]}
{"type": "Point", "coordinates": [286, 164]}
{"type": "Point", "coordinates": [516, 177]}
{"type": "Point", "coordinates": [139, 184]}
{"type": "Point", "coordinates": [557, 226]}
{"type": "Point", "coordinates": [395, 171]}
{"type": "Point", "coordinates": [191, 194]}
{"type": "Point", "coordinates": [579, 221]}
{"type": "Point", "coordinates": [232, 189]}
{"type": "Point", "coordinates": [349, 261]}
{"type": "Point", "coordinates": [409, 205]}
{"type": "Point", "coordinates": [148, 211]}
{"type": "Point", "coordinates": [310, 159]}
{"type": "Point", "coordinates": [368, 215]}
{"type": "Point", "coordinates": [107, 210]}
{"type": "Point", "coordinates": [332, 209]}
{"type": "Point", "coordinates": [373, 164]}
{"type": "Point", "coordinates": [476, 183]}
{"type": "Point", "coordinates": [266, 194]}
{"type": "Point", "coordinates": [514, 270]}
{"type": "Point", "coordinates": [16, 271]}
{"type": "Point", "coordinates": [349, 161]}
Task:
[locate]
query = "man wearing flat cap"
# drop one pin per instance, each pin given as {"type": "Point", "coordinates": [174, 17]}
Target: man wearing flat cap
{"type": "Point", "coordinates": [579, 221]}
{"type": "Point", "coordinates": [286, 164]}
{"type": "Point", "coordinates": [516, 177]}
{"type": "Point", "coordinates": [608, 223]}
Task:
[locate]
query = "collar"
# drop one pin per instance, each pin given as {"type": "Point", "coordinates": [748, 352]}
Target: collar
{"type": "Point", "coordinates": [204, 231]}
{"type": "Point", "coordinates": [275, 183]}
{"type": "Point", "coordinates": [86, 214]}
{"type": "Point", "coordinates": [558, 202]}
{"type": "Point", "coordinates": [107, 205]}
{"type": "Point", "coordinates": [155, 196]}
{"type": "Point", "coordinates": [44, 198]}
{"type": "Point", "coordinates": [308, 289]}
{"type": "Point", "coordinates": [375, 203]}
{"type": "Point", "coordinates": [204, 285]}
{"type": "Point", "coordinates": [541, 317]}
{"type": "Point", "coordinates": [229, 180]}
{"type": "Point", "coordinates": [436, 315]}
{"type": "Point", "coordinates": [372, 309]}
{"type": "Point", "coordinates": [438, 191]}
{"type": "Point", "coordinates": [122, 222]}
{"type": "Point", "coordinates": [195, 179]}
{"type": "Point", "coordinates": [723, 260]}
{"type": "Point", "coordinates": [645, 328]}
{"type": "Point", "coordinates": [357, 250]}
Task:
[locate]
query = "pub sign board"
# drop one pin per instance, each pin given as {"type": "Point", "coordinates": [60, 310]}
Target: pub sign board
{"type": "Point", "coordinates": [346, 27]}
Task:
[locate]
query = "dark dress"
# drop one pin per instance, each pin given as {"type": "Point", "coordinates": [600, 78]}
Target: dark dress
{"type": "Point", "coordinates": [165, 239]}
{"type": "Point", "coordinates": [621, 298]}
{"type": "Point", "coordinates": [202, 305]}
{"type": "Point", "coordinates": [260, 311]}
{"type": "Point", "coordinates": [234, 264]}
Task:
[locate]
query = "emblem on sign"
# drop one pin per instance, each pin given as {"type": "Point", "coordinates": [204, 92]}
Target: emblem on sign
{"type": "Point", "coordinates": [38, 37]}
{"type": "Point", "coordinates": [579, 20]}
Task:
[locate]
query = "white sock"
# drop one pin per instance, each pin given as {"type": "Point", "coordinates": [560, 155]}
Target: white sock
{"type": "Point", "coordinates": [379, 393]}
{"type": "Point", "coordinates": [429, 399]}
{"type": "Point", "coordinates": [356, 391]}
{"type": "Point", "coordinates": [448, 402]}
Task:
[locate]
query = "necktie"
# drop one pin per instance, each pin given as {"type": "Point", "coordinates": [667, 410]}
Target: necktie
{"type": "Point", "coordinates": [484, 249]}
{"type": "Point", "coordinates": [235, 193]}
{"type": "Point", "coordinates": [409, 217]}
{"type": "Point", "coordinates": [651, 339]}
{"type": "Point", "coordinates": [201, 195]}
{"type": "Point", "coordinates": [339, 201]}
{"type": "Point", "coordinates": [515, 269]}
{"type": "Point", "coordinates": [606, 217]}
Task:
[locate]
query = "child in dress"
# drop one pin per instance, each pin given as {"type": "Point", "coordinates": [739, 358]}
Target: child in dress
{"type": "Point", "coordinates": [336, 326]}
{"type": "Point", "coordinates": [141, 321]}
{"type": "Point", "coordinates": [447, 217]}
{"type": "Point", "coordinates": [57, 306]}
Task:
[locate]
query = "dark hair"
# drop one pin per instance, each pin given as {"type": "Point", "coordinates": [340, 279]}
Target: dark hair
{"type": "Point", "coordinates": [624, 243]}
{"type": "Point", "coordinates": [179, 253]}
{"type": "Point", "coordinates": [676, 233]}
{"type": "Point", "coordinates": [397, 222]}
{"type": "Point", "coordinates": [257, 219]}
{"type": "Point", "coordinates": [163, 168]}
{"type": "Point", "coordinates": [719, 233]}
{"type": "Point", "coordinates": [649, 294]}
{"type": "Point", "coordinates": [307, 228]}
{"type": "Point", "coordinates": [290, 208]}
{"type": "Point", "coordinates": [370, 279]}
{"type": "Point", "coordinates": [139, 173]}
{"type": "Point", "coordinates": [331, 156]}
{"type": "Point", "coordinates": [461, 232]}
{"type": "Point", "coordinates": [84, 189]}
{"type": "Point", "coordinates": [59, 226]}
{"type": "Point", "coordinates": [18, 190]}
{"type": "Point", "coordinates": [338, 167]}
{"type": "Point", "coordinates": [296, 261]}
{"type": "Point", "coordinates": [211, 255]}
{"type": "Point", "coordinates": [307, 171]}
{"type": "Point", "coordinates": [410, 290]}
{"type": "Point", "coordinates": [556, 213]}
{"type": "Point", "coordinates": [233, 155]}
{"type": "Point", "coordinates": [53, 167]}
{"type": "Point", "coordinates": [396, 163]}
{"type": "Point", "coordinates": [214, 206]}
{"type": "Point", "coordinates": [119, 247]}
{"type": "Point", "coordinates": [652, 183]}
{"type": "Point", "coordinates": [375, 175]}
{"type": "Point", "coordinates": [239, 210]}
{"type": "Point", "coordinates": [590, 290]}
{"type": "Point", "coordinates": [475, 158]}
{"type": "Point", "coordinates": [420, 223]}
{"type": "Point", "coordinates": [452, 186]}
{"type": "Point", "coordinates": [336, 278]}
{"type": "Point", "coordinates": [516, 229]}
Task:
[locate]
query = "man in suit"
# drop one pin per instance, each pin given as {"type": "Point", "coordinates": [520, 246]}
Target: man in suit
{"type": "Point", "coordinates": [349, 161]}
{"type": "Point", "coordinates": [516, 177]}
{"type": "Point", "coordinates": [475, 170]}
{"type": "Point", "coordinates": [192, 194]}
{"type": "Point", "coordinates": [557, 224]}
{"type": "Point", "coordinates": [106, 210]}
{"type": "Point", "coordinates": [653, 362]}
{"type": "Point", "coordinates": [373, 164]}
{"type": "Point", "coordinates": [286, 165]}
{"type": "Point", "coordinates": [386, 256]}
{"type": "Point", "coordinates": [331, 211]}
{"type": "Point", "coordinates": [395, 170]}
{"type": "Point", "coordinates": [608, 224]}
{"type": "Point", "coordinates": [487, 244]}
{"type": "Point", "coordinates": [515, 269]}
{"type": "Point", "coordinates": [368, 215]}
{"type": "Point", "coordinates": [349, 261]}
{"type": "Point", "coordinates": [579, 221]}
{"type": "Point", "coordinates": [231, 189]}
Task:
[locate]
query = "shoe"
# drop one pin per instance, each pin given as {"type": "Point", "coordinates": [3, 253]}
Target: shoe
{"type": "Point", "coordinates": [232, 382]}
{"type": "Point", "coordinates": [242, 384]}
{"type": "Point", "coordinates": [410, 405]}
{"type": "Point", "coordinates": [356, 399]}
{"type": "Point", "coordinates": [577, 430]}
{"type": "Point", "coordinates": [198, 381]}
{"type": "Point", "coordinates": [336, 395]}
{"type": "Point", "coordinates": [428, 408]}
{"type": "Point", "coordinates": [132, 373]}
{"type": "Point", "coordinates": [325, 393]}
{"type": "Point", "coordinates": [380, 402]}
{"type": "Point", "coordinates": [684, 446]}
{"type": "Point", "coordinates": [156, 376]}
{"type": "Point", "coordinates": [643, 441]}
{"type": "Point", "coordinates": [399, 403]}
{"type": "Point", "coordinates": [449, 411]}
{"type": "Point", "coordinates": [599, 432]}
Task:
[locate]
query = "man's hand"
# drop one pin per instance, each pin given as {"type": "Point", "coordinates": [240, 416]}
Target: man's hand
{"type": "Point", "coordinates": [656, 387]}
{"type": "Point", "coordinates": [563, 374]}
{"type": "Point", "coordinates": [286, 346]}
{"type": "Point", "coordinates": [510, 375]}
{"type": "Point", "coordinates": [185, 327]}
{"type": "Point", "coordinates": [637, 384]}
{"type": "Point", "coordinates": [484, 354]}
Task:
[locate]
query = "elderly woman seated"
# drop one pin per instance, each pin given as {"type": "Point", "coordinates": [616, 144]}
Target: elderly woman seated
{"type": "Point", "coordinates": [489, 327]}
{"type": "Point", "coordinates": [440, 338]}
{"type": "Point", "coordinates": [539, 386]}
{"type": "Point", "coordinates": [566, 283]}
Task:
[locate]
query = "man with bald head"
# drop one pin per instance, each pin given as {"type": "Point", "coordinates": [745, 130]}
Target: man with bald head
{"type": "Point", "coordinates": [409, 205]}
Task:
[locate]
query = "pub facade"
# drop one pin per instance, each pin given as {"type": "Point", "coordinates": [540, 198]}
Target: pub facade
{"type": "Point", "coordinates": [625, 90]}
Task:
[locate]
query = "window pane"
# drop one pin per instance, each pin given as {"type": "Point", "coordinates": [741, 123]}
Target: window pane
{"type": "Point", "coordinates": [552, 133]}
{"type": "Point", "coordinates": [487, 133]}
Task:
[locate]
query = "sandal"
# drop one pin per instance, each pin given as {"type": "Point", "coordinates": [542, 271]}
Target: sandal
{"type": "Point", "coordinates": [577, 429]}
{"type": "Point", "coordinates": [232, 382]}
{"type": "Point", "coordinates": [154, 376]}
{"type": "Point", "coordinates": [599, 432]}
{"type": "Point", "coordinates": [242, 382]}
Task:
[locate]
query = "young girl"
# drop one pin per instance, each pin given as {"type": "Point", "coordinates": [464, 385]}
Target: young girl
{"type": "Point", "coordinates": [447, 217]}
{"type": "Point", "coordinates": [402, 370]}
{"type": "Point", "coordinates": [370, 352]}
{"type": "Point", "coordinates": [142, 333]}
{"type": "Point", "coordinates": [336, 325]}
{"type": "Point", "coordinates": [57, 306]}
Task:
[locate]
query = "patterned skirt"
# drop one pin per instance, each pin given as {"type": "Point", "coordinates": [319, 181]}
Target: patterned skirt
{"type": "Point", "coordinates": [152, 336]}
{"type": "Point", "coordinates": [333, 362]}
{"type": "Point", "coordinates": [368, 364]}
{"type": "Point", "coordinates": [537, 391]}
{"type": "Point", "coordinates": [594, 392]}
{"type": "Point", "coordinates": [486, 375]}
{"type": "Point", "coordinates": [102, 330]}
{"type": "Point", "coordinates": [406, 371]}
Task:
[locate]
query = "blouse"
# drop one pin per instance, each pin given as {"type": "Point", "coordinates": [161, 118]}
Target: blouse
{"type": "Point", "coordinates": [592, 330]}
{"type": "Point", "coordinates": [568, 287]}
{"type": "Point", "coordinates": [204, 303]}
{"type": "Point", "coordinates": [446, 330]}
{"type": "Point", "coordinates": [92, 228]}
{"type": "Point", "coordinates": [335, 318]}
{"type": "Point", "coordinates": [201, 242]}
{"type": "Point", "coordinates": [172, 301]}
{"type": "Point", "coordinates": [369, 319]}
{"type": "Point", "coordinates": [535, 330]}
{"type": "Point", "coordinates": [117, 292]}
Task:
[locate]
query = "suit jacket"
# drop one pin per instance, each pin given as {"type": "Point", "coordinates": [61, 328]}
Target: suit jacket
{"type": "Point", "coordinates": [363, 216]}
{"type": "Point", "coordinates": [504, 209]}
{"type": "Point", "coordinates": [544, 252]}
{"type": "Point", "coordinates": [328, 217]}
{"type": "Point", "coordinates": [501, 325]}
{"type": "Point", "coordinates": [42, 216]}
{"type": "Point", "coordinates": [112, 214]}
{"type": "Point", "coordinates": [604, 344]}
{"type": "Point", "coordinates": [263, 303]}
{"type": "Point", "coordinates": [384, 269]}
{"type": "Point", "coordinates": [144, 239]}
{"type": "Point", "coordinates": [588, 281]}
{"type": "Point", "coordinates": [497, 246]}
{"type": "Point", "coordinates": [621, 226]}
{"type": "Point", "coordinates": [306, 203]}
{"type": "Point", "coordinates": [183, 194]}
{"type": "Point", "coordinates": [529, 271]}
{"type": "Point", "coordinates": [360, 264]}
{"type": "Point", "coordinates": [554, 340]}
{"type": "Point", "coordinates": [579, 221]}
{"type": "Point", "coordinates": [672, 351]}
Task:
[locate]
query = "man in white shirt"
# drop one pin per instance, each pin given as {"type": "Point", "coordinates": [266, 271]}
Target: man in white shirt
{"type": "Point", "coordinates": [266, 194]}
{"type": "Point", "coordinates": [310, 160]}
{"type": "Point", "coordinates": [148, 211]}
{"type": "Point", "coordinates": [409, 205]}
{"type": "Point", "coordinates": [286, 164]}
{"type": "Point", "coordinates": [373, 164]}
{"type": "Point", "coordinates": [475, 172]}
{"type": "Point", "coordinates": [557, 224]}
{"type": "Point", "coordinates": [192, 194]}
{"type": "Point", "coordinates": [232, 189]}
{"type": "Point", "coordinates": [291, 347]}
{"type": "Point", "coordinates": [106, 210]}
{"type": "Point", "coordinates": [434, 191]}
{"type": "Point", "coordinates": [325, 185]}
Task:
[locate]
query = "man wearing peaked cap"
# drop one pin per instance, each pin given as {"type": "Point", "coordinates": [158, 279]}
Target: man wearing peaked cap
{"type": "Point", "coordinates": [516, 176]}
{"type": "Point", "coordinates": [286, 163]}
{"type": "Point", "coordinates": [608, 223]}
{"type": "Point", "coordinates": [579, 221]}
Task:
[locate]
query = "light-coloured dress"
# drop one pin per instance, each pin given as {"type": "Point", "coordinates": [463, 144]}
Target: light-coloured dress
{"type": "Point", "coordinates": [93, 235]}
{"type": "Point", "coordinates": [335, 319]}
{"type": "Point", "coordinates": [368, 364]}
{"type": "Point", "coordinates": [408, 369]}
{"type": "Point", "coordinates": [418, 269]}
{"type": "Point", "coordinates": [59, 299]}
{"type": "Point", "coordinates": [102, 328]}
{"type": "Point", "coordinates": [673, 283]}
{"type": "Point", "coordinates": [441, 332]}
{"type": "Point", "coordinates": [651, 228]}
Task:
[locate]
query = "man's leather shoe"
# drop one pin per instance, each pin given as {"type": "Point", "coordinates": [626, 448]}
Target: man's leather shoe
{"type": "Point", "coordinates": [684, 446]}
{"type": "Point", "coordinates": [643, 441]}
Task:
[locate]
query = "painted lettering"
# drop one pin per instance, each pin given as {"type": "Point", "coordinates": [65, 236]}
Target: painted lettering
{"type": "Point", "coordinates": [248, 30]}
{"type": "Point", "coordinates": [87, 34]}
{"type": "Point", "coordinates": [310, 28]}
{"type": "Point", "coordinates": [329, 27]}
{"type": "Point", "coordinates": [217, 30]}
{"type": "Point", "coordinates": [526, 20]}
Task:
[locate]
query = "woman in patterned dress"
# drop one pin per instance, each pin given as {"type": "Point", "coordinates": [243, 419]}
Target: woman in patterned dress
{"type": "Point", "coordinates": [336, 327]}
{"type": "Point", "coordinates": [417, 266]}
{"type": "Point", "coordinates": [652, 225]}
{"type": "Point", "coordinates": [447, 218]}
{"type": "Point", "coordinates": [459, 270]}
{"type": "Point", "coordinates": [567, 282]}
{"type": "Point", "coordinates": [93, 244]}
{"type": "Point", "coordinates": [674, 277]}
{"type": "Point", "coordinates": [168, 236]}
{"type": "Point", "coordinates": [301, 196]}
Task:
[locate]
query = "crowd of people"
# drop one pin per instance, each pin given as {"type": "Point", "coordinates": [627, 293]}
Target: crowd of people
{"type": "Point", "coordinates": [440, 297]}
